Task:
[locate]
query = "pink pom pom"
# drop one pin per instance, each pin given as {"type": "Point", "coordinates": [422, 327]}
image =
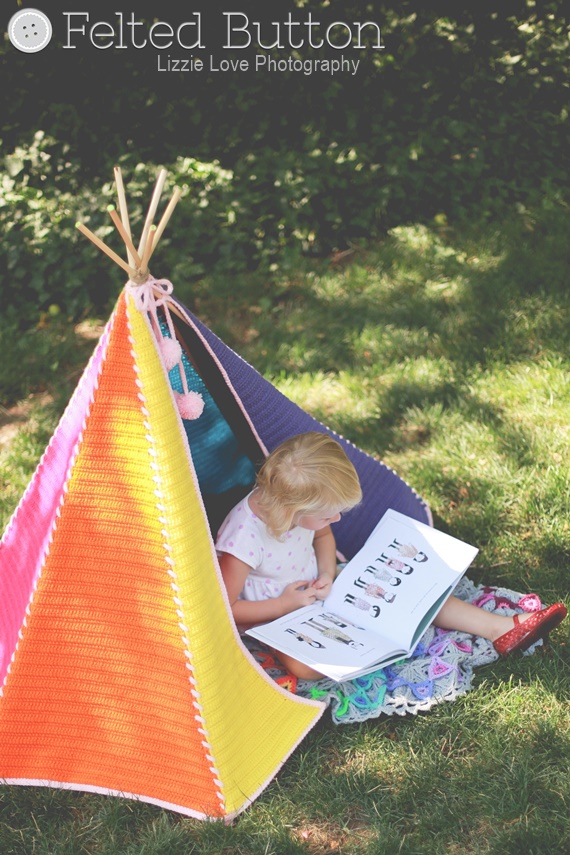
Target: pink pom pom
{"type": "Point", "coordinates": [171, 352]}
{"type": "Point", "coordinates": [190, 405]}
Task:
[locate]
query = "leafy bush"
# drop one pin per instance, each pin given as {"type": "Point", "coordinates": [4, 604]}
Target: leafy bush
{"type": "Point", "coordinates": [463, 115]}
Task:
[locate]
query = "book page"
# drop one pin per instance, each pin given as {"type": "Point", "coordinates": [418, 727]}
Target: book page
{"type": "Point", "coordinates": [327, 642]}
{"type": "Point", "coordinates": [393, 582]}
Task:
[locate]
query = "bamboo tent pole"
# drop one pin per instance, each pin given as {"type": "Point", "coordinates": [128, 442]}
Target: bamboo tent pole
{"type": "Point", "coordinates": [124, 210]}
{"type": "Point", "coordinates": [165, 217]}
{"type": "Point", "coordinates": [126, 237]}
{"type": "Point", "coordinates": [103, 246]}
{"type": "Point", "coordinates": [152, 209]}
{"type": "Point", "coordinates": [151, 238]}
{"type": "Point", "coordinates": [137, 266]}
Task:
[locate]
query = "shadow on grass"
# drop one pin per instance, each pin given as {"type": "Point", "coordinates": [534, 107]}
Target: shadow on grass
{"type": "Point", "coordinates": [476, 298]}
{"type": "Point", "coordinates": [422, 319]}
{"type": "Point", "coordinates": [475, 776]}
{"type": "Point", "coordinates": [418, 318]}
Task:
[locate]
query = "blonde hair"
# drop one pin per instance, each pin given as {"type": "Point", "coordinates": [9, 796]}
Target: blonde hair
{"type": "Point", "coordinates": [309, 473]}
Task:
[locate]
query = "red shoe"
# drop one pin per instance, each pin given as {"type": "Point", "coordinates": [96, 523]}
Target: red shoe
{"type": "Point", "coordinates": [536, 626]}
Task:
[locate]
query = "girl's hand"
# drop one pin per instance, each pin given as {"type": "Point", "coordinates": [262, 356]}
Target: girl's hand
{"type": "Point", "coordinates": [323, 586]}
{"type": "Point", "coordinates": [296, 595]}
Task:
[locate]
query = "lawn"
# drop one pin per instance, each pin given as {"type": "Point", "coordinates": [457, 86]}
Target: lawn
{"type": "Point", "coordinates": [444, 352]}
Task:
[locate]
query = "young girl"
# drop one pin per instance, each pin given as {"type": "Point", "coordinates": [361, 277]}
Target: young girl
{"type": "Point", "coordinates": [277, 551]}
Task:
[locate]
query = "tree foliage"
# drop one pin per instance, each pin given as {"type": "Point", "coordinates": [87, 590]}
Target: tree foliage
{"type": "Point", "coordinates": [463, 114]}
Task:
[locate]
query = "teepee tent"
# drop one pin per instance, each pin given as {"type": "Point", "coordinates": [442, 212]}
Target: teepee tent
{"type": "Point", "coordinates": [121, 670]}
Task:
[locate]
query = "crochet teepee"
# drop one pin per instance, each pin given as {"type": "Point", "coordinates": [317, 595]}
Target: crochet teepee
{"type": "Point", "coordinates": [121, 670]}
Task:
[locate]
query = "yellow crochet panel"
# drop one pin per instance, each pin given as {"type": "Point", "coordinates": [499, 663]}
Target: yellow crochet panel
{"type": "Point", "coordinates": [252, 725]}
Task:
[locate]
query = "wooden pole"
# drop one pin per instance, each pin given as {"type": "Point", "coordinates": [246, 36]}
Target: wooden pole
{"type": "Point", "coordinates": [165, 217]}
{"type": "Point", "coordinates": [152, 209]}
{"type": "Point", "coordinates": [133, 254]}
{"type": "Point", "coordinates": [123, 209]}
{"type": "Point", "coordinates": [147, 250]}
{"type": "Point", "coordinates": [103, 246]}
{"type": "Point", "coordinates": [137, 266]}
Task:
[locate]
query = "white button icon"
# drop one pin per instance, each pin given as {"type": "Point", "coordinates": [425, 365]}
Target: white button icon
{"type": "Point", "coordinates": [30, 30]}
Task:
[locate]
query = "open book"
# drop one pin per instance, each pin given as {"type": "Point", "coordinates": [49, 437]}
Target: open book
{"type": "Point", "coordinates": [379, 605]}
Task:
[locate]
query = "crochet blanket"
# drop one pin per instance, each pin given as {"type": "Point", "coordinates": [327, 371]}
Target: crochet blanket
{"type": "Point", "coordinates": [441, 668]}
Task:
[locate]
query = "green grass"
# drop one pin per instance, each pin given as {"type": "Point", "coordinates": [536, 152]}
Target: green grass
{"type": "Point", "coordinates": [445, 353]}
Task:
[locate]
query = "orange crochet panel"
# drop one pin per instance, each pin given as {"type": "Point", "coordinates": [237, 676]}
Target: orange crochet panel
{"type": "Point", "coordinates": [101, 665]}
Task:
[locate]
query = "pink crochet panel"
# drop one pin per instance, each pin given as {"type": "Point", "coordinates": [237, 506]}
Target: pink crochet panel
{"type": "Point", "coordinates": [27, 539]}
